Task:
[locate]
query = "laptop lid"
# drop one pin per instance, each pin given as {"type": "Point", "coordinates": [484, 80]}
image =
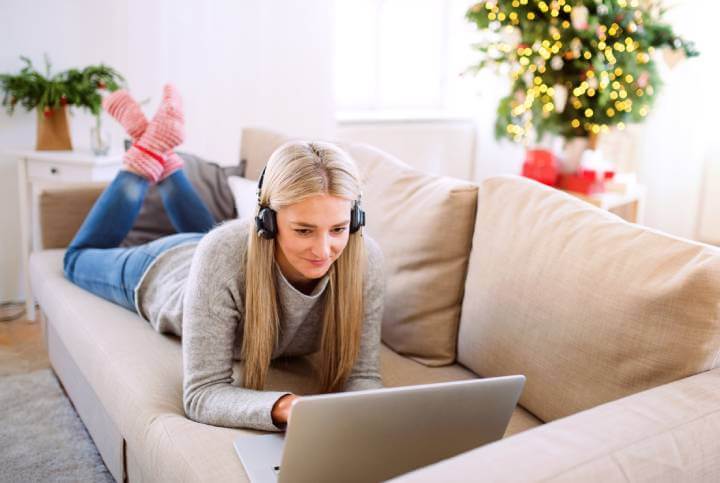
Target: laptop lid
{"type": "Point", "coordinates": [379, 434]}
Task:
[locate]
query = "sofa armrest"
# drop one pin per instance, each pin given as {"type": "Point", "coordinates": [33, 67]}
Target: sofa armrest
{"type": "Point", "coordinates": [62, 211]}
{"type": "Point", "coordinates": [668, 433]}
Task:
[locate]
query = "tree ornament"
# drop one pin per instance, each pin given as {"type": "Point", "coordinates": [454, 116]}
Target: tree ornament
{"type": "Point", "coordinates": [556, 63]}
{"type": "Point", "coordinates": [560, 95]}
{"type": "Point", "coordinates": [673, 57]}
{"type": "Point", "coordinates": [579, 17]}
{"type": "Point", "coordinates": [528, 78]}
{"type": "Point", "coordinates": [575, 46]}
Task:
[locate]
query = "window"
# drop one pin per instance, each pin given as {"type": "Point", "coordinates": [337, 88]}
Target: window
{"type": "Point", "coordinates": [402, 55]}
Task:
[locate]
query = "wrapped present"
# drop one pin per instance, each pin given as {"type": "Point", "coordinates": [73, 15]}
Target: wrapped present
{"type": "Point", "coordinates": [541, 165]}
{"type": "Point", "coordinates": [587, 181]}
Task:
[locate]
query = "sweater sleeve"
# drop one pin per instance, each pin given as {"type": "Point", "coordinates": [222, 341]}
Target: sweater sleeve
{"type": "Point", "coordinates": [212, 314]}
{"type": "Point", "coordinates": [366, 372]}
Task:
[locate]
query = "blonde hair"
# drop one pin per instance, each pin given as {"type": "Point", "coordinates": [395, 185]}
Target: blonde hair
{"type": "Point", "coordinates": [294, 172]}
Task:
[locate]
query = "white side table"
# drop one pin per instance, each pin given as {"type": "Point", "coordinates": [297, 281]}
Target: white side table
{"type": "Point", "coordinates": [46, 168]}
{"type": "Point", "coordinates": [629, 205]}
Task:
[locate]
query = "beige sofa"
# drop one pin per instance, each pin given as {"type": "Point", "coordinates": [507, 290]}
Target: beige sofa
{"type": "Point", "coordinates": [616, 327]}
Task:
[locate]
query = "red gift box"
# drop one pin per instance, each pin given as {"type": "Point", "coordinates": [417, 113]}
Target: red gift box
{"type": "Point", "coordinates": [541, 165]}
{"type": "Point", "coordinates": [586, 181]}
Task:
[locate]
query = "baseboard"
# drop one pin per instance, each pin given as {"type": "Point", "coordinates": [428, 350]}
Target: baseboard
{"type": "Point", "coordinates": [102, 429]}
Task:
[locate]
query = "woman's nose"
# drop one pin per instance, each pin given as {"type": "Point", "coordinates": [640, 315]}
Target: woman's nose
{"type": "Point", "coordinates": [321, 247]}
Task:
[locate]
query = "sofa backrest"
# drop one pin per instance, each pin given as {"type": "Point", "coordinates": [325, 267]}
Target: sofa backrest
{"type": "Point", "coordinates": [256, 146]}
{"type": "Point", "coordinates": [424, 225]}
{"type": "Point", "coordinates": [589, 307]}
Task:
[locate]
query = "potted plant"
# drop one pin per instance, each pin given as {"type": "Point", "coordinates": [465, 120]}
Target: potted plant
{"type": "Point", "coordinates": [577, 67]}
{"type": "Point", "coordinates": [51, 94]}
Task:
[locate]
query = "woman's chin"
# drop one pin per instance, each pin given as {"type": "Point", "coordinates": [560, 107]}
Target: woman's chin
{"type": "Point", "coordinates": [315, 272]}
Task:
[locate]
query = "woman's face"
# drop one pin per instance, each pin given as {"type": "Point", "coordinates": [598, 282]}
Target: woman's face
{"type": "Point", "coordinates": [311, 236]}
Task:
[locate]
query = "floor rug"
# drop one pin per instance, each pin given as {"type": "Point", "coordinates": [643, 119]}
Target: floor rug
{"type": "Point", "coordinates": [41, 436]}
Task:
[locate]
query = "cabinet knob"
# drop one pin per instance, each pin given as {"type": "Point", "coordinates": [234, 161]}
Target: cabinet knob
{"type": "Point", "coordinates": [53, 170]}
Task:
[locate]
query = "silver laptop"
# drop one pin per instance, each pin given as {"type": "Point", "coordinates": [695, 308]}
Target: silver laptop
{"type": "Point", "coordinates": [382, 433]}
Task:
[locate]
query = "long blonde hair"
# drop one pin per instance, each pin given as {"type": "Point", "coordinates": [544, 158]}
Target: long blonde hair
{"type": "Point", "coordinates": [294, 172]}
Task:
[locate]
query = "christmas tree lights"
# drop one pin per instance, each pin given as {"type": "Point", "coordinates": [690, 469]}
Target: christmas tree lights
{"type": "Point", "coordinates": [577, 67]}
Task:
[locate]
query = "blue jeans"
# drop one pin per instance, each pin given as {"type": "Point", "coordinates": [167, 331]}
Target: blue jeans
{"type": "Point", "coordinates": [94, 260]}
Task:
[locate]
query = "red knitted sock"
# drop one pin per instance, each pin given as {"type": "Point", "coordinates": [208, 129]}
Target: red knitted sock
{"type": "Point", "coordinates": [172, 163]}
{"type": "Point", "coordinates": [163, 133]}
{"type": "Point", "coordinates": [127, 112]}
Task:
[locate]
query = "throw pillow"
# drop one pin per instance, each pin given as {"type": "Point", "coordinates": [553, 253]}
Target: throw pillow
{"type": "Point", "coordinates": [245, 195]}
{"type": "Point", "coordinates": [424, 225]}
{"type": "Point", "coordinates": [588, 307]}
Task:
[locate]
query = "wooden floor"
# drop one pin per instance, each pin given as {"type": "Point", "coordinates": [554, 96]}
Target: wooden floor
{"type": "Point", "coordinates": [22, 348]}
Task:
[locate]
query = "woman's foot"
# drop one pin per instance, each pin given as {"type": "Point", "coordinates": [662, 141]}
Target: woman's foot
{"type": "Point", "coordinates": [163, 133]}
{"type": "Point", "coordinates": [173, 161]}
{"type": "Point", "coordinates": [121, 106]}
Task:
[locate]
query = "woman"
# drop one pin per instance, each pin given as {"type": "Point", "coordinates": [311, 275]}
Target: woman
{"type": "Point", "coordinates": [301, 279]}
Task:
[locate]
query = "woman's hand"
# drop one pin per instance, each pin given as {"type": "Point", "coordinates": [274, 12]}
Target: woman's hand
{"type": "Point", "coordinates": [281, 410]}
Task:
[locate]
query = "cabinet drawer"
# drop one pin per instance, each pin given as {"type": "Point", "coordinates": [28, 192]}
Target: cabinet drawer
{"type": "Point", "coordinates": [49, 171]}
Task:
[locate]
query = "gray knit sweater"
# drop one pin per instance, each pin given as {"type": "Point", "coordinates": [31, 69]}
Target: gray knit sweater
{"type": "Point", "coordinates": [197, 291]}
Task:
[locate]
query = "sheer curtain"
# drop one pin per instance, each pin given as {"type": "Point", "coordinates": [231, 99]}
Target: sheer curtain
{"type": "Point", "coordinates": [676, 149]}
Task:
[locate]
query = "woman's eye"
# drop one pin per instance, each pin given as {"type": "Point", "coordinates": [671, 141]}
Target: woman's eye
{"type": "Point", "coordinates": [339, 229]}
{"type": "Point", "coordinates": [302, 231]}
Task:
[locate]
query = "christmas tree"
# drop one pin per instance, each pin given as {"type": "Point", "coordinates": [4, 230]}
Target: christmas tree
{"type": "Point", "coordinates": [577, 67]}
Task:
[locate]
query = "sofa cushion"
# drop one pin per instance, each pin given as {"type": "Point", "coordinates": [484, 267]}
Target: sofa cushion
{"type": "Point", "coordinates": [666, 434]}
{"type": "Point", "coordinates": [403, 371]}
{"type": "Point", "coordinates": [137, 375]}
{"type": "Point", "coordinates": [424, 225]}
{"type": "Point", "coordinates": [63, 208]}
{"type": "Point", "coordinates": [589, 307]}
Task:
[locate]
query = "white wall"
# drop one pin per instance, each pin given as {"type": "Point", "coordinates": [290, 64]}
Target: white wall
{"type": "Point", "coordinates": [236, 64]}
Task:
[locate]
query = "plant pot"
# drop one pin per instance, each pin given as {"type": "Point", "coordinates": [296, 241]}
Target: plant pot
{"type": "Point", "coordinates": [53, 131]}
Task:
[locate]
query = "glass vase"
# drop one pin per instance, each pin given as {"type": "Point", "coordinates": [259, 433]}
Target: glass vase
{"type": "Point", "coordinates": [99, 141]}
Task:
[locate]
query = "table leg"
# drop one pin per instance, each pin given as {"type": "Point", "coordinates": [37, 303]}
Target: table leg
{"type": "Point", "coordinates": [26, 235]}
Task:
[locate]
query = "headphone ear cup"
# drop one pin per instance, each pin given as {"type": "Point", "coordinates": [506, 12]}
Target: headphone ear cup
{"type": "Point", "coordinates": [357, 218]}
{"type": "Point", "coordinates": [266, 224]}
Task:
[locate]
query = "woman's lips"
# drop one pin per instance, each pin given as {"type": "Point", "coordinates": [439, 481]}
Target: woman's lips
{"type": "Point", "coordinates": [317, 263]}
